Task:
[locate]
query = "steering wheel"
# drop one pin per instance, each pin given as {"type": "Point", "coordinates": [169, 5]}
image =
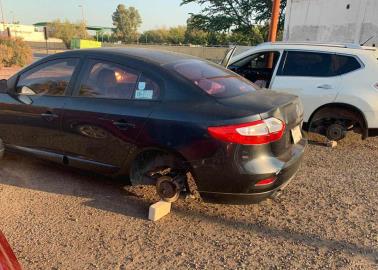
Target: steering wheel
{"type": "Point", "coordinates": [249, 74]}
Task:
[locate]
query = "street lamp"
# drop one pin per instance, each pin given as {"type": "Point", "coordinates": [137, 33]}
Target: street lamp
{"type": "Point", "coordinates": [11, 13]}
{"type": "Point", "coordinates": [82, 12]}
{"type": "Point", "coordinates": [2, 13]}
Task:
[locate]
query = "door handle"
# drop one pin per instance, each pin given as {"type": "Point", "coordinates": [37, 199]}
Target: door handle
{"type": "Point", "coordinates": [121, 124]}
{"type": "Point", "coordinates": [49, 116]}
{"type": "Point", "coordinates": [325, 86]}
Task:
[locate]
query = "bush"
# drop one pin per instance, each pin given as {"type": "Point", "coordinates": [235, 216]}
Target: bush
{"type": "Point", "coordinates": [14, 52]}
{"type": "Point", "coordinates": [66, 31]}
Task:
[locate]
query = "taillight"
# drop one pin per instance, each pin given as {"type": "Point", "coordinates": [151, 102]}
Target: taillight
{"type": "Point", "coordinates": [265, 182]}
{"type": "Point", "coordinates": [257, 132]}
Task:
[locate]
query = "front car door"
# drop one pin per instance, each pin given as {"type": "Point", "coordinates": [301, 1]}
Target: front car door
{"type": "Point", "coordinates": [109, 107]}
{"type": "Point", "coordinates": [309, 75]}
{"type": "Point", "coordinates": [31, 114]}
{"type": "Point", "coordinates": [258, 67]}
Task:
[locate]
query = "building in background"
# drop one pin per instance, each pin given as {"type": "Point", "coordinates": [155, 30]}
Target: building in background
{"type": "Point", "coordinates": [26, 32]}
{"type": "Point", "coordinates": [341, 21]}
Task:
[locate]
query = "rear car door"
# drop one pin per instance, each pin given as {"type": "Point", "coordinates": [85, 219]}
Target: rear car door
{"type": "Point", "coordinates": [109, 107]}
{"type": "Point", "coordinates": [31, 114]}
{"type": "Point", "coordinates": [309, 75]}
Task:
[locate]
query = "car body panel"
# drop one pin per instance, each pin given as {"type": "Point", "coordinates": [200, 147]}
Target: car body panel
{"type": "Point", "coordinates": [314, 92]}
{"type": "Point", "coordinates": [8, 260]}
{"type": "Point", "coordinates": [103, 130]}
{"type": "Point", "coordinates": [26, 121]}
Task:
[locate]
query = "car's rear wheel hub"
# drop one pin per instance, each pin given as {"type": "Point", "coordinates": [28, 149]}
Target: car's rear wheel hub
{"type": "Point", "coordinates": [336, 132]}
{"type": "Point", "coordinates": [167, 189]}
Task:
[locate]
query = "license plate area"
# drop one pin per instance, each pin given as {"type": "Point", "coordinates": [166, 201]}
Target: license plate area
{"type": "Point", "coordinates": [296, 134]}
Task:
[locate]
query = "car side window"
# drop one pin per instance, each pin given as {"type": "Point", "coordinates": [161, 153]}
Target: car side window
{"type": "Point", "coordinates": [147, 89]}
{"type": "Point", "coordinates": [48, 79]}
{"type": "Point", "coordinates": [258, 60]}
{"type": "Point", "coordinates": [105, 79]}
{"type": "Point", "coordinates": [108, 80]}
{"type": "Point", "coordinates": [343, 64]}
{"type": "Point", "coordinates": [306, 64]}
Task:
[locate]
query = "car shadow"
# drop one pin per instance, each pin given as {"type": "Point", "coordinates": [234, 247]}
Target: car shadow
{"type": "Point", "coordinates": [109, 194]}
{"type": "Point", "coordinates": [105, 193]}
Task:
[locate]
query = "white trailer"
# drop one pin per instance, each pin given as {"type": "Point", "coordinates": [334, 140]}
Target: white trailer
{"type": "Point", "coordinates": [346, 21]}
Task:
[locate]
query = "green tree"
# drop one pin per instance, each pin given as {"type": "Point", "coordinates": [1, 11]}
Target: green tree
{"type": "Point", "coordinates": [218, 38]}
{"type": "Point", "coordinates": [176, 35]}
{"type": "Point", "coordinates": [246, 37]}
{"type": "Point", "coordinates": [126, 22]}
{"type": "Point", "coordinates": [229, 15]}
{"type": "Point", "coordinates": [66, 31]}
{"type": "Point", "coordinates": [196, 37]}
{"type": "Point", "coordinates": [173, 35]}
{"type": "Point", "coordinates": [157, 36]}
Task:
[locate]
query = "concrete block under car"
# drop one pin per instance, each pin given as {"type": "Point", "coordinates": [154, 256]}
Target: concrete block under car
{"type": "Point", "coordinates": [159, 210]}
{"type": "Point", "coordinates": [331, 144]}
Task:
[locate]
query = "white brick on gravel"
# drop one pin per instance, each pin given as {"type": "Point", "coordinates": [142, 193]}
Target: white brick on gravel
{"type": "Point", "coordinates": [159, 210]}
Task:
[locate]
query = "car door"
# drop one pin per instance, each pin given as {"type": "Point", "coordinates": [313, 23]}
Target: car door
{"type": "Point", "coordinates": [309, 75]}
{"type": "Point", "coordinates": [110, 105]}
{"type": "Point", "coordinates": [31, 114]}
{"type": "Point", "coordinates": [258, 67]}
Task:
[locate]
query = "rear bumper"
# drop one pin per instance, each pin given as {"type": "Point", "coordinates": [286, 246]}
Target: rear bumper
{"type": "Point", "coordinates": [228, 180]}
{"type": "Point", "coordinates": [242, 198]}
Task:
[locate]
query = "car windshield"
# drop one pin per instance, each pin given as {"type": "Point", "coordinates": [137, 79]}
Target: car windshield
{"type": "Point", "coordinates": [215, 81]}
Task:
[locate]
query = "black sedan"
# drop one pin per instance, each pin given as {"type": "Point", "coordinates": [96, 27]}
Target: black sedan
{"type": "Point", "coordinates": [158, 117]}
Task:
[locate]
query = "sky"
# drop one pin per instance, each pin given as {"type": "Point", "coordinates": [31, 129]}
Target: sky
{"type": "Point", "coordinates": [154, 13]}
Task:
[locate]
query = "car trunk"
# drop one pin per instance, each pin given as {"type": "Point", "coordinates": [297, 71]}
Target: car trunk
{"type": "Point", "coordinates": [267, 103]}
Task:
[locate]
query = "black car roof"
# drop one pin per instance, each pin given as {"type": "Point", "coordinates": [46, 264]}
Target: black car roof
{"type": "Point", "coordinates": [157, 57]}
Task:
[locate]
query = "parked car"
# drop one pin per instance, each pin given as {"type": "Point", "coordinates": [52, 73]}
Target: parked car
{"type": "Point", "coordinates": [337, 84]}
{"type": "Point", "coordinates": [155, 116]}
{"type": "Point", "coordinates": [8, 260]}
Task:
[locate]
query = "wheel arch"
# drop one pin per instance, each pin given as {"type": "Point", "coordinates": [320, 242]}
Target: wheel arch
{"type": "Point", "coordinates": [137, 157]}
{"type": "Point", "coordinates": [347, 107]}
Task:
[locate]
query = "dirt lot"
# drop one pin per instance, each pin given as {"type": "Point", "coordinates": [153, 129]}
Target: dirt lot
{"type": "Point", "coordinates": [65, 219]}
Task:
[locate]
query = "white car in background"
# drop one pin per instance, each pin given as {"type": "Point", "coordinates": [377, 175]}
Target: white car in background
{"type": "Point", "coordinates": [337, 83]}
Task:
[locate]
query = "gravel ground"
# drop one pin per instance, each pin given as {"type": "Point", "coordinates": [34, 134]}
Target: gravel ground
{"type": "Point", "coordinates": [66, 219]}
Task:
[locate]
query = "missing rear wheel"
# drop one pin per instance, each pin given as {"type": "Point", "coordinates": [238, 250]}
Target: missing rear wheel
{"type": "Point", "coordinates": [168, 189]}
{"type": "Point", "coordinates": [336, 132]}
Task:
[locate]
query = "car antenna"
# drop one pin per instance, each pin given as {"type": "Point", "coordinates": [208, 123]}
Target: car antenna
{"type": "Point", "coordinates": [370, 38]}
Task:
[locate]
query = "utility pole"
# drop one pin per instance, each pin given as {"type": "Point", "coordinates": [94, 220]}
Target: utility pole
{"type": "Point", "coordinates": [274, 20]}
{"type": "Point", "coordinates": [273, 29]}
{"type": "Point", "coordinates": [2, 13]}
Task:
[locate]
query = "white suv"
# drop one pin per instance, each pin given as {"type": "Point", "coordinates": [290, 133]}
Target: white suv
{"type": "Point", "coordinates": [338, 84]}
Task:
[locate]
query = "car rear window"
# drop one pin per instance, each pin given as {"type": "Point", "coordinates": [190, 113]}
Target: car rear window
{"type": "Point", "coordinates": [215, 81]}
{"type": "Point", "coordinates": [343, 64]}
